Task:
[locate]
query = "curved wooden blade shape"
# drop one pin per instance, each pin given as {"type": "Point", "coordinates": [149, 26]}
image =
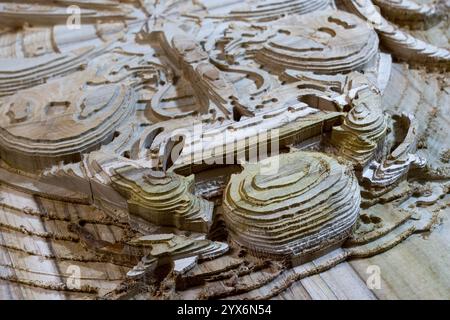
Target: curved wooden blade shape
{"type": "Point", "coordinates": [402, 45]}
{"type": "Point", "coordinates": [409, 11]}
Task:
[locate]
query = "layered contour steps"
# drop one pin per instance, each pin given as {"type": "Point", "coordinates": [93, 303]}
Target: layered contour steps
{"type": "Point", "coordinates": [310, 204]}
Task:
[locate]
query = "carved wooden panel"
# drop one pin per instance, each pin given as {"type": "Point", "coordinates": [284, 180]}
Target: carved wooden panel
{"type": "Point", "coordinates": [223, 149]}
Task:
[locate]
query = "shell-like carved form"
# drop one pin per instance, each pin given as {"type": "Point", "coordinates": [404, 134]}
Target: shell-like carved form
{"type": "Point", "coordinates": [358, 137]}
{"type": "Point", "coordinates": [309, 205]}
{"type": "Point", "coordinates": [163, 198]}
{"type": "Point", "coordinates": [328, 42]}
{"type": "Point", "coordinates": [364, 127]}
{"type": "Point", "coordinates": [77, 121]}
